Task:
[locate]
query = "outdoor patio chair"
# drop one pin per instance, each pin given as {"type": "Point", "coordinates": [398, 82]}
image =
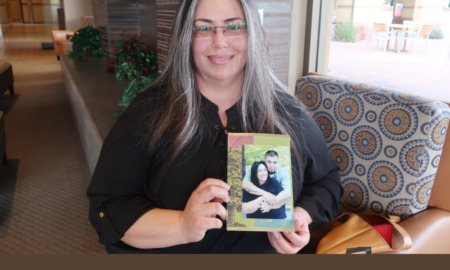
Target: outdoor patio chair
{"type": "Point", "coordinates": [380, 33]}
{"type": "Point", "coordinates": [418, 35]}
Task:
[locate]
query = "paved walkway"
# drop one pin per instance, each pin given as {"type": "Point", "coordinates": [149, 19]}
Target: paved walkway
{"type": "Point", "coordinates": [421, 74]}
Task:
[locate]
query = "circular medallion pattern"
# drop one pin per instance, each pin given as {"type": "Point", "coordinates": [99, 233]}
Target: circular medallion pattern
{"type": "Point", "coordinates": [425, 128]}
{"type": "Point", "coordinates": [390, 151]}
{"type": "Point", "coordinates": [409, 99]}
{"type": "Point", "coordinates": [360, 170]}
{"type": "Point", "coordinates": [326, 124]}
{"type": "Point", "coordinates": [399, 207]}
{"type": "Point", "coordinates": [327, 103]}
{"type": "Point", "coordinates": [422, 192]}
{"type": "Point", "coordinates": [356, 195]}
{"type": "Point", "coordinates": [438, 129]}
{"type": "Point", "coordinates": [360, 87]}
{"type": "Point", "coordinates": [366, 142]}
{"type": "Point", "coordinates": [371, 116]}
{"type": "Point", "coordinates": [385, 179]}
{"type": "Point", "coordinates": [348, 109]}
{"type": "Point", "coordinates": [376, 99]}
{"type": "Point", "coordinates": [376, 207]}
{"type": "Point", "coordinates": [343, 135]}
{"type": "Point", "coordinates": [427, 110]}
{"type": "Point", "coordinates": [314, 78]}
{"type": "Point", "coordinates": [435, 161]}
{"type": "Point", "coordinates": [311, 97]}
{"type": "Point", "coordinates": [398, 122]}
{"type": "Point", "coordinates": [343, 157]}
{"type": "Point", "coordinates": [414, 158]}
{"type": "Point", "coordinates": [410, 188]}
{"type": "Point", "coordinates": [332, 88]}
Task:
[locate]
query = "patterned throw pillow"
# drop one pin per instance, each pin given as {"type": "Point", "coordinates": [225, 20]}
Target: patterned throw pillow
{"type": "Point", "coordinates": [387, 144]}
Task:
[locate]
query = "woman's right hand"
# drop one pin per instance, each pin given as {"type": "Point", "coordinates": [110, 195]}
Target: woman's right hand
{"type": "Point", "coordinates": [202, 208]}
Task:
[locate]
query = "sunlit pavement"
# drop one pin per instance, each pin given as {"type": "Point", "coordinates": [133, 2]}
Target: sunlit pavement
{"type": "Point", "coordinates": [425, 74]}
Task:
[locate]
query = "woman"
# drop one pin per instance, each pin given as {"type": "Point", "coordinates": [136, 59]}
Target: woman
{"type": "Point", "coordinates": [160, 181]}
{"type": "Point", "coordinates": [253, 205]}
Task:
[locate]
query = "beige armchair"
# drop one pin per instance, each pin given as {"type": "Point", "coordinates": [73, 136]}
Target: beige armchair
{"type": "Point", "coordinates": [61, 41]}
{"type": "Point", "coordinates": [393, 150]}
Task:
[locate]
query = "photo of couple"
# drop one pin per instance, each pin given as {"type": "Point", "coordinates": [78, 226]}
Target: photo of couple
{"type": "Point", "coordinates": [266, 184]}
{"type": "Point", "coordinates": [261, 189]}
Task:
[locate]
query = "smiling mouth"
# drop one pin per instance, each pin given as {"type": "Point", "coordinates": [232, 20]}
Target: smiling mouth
{"type": "Point", "coordinates": [220, 58]}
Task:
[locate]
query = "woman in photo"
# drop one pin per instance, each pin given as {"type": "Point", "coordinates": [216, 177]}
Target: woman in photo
{"type": "Point", "coordinates": [254, 206]}
{"type": "Point", "coordinates": [160, 184]}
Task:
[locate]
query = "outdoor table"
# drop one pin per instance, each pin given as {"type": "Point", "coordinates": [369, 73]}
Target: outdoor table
{"type": "Point", "coordinates": [400, 34]}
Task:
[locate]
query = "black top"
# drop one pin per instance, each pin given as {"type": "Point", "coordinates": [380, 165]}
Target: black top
{"type": "Point", "coordinates": [122, 189]}
{"type": "Point", "coordinates": [273, 187]}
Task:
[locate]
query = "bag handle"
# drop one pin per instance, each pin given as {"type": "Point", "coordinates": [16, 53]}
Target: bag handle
{"type": "Point", "coordinates": [341, 234]}
{"type": "Point", "coordinates": [405, 237]}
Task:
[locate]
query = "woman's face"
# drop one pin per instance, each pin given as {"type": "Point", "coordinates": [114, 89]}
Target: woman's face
{"type": "Point", "coordinates": [262, 173]}
{"type": "Point", "coordinates": [219, 57]}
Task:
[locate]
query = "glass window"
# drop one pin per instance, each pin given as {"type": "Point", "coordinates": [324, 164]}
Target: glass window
{"type": "Point", "coordinates": [410, 53]}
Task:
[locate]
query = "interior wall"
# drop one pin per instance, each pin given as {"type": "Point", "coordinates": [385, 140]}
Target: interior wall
{"type": "Point", "coordinates": [147, 21]}
{"type": "Point", "coordinates": [74, 10]}
{"type": "Point", "coordinates": [3, 13]}
{"type": "Point", "coordinates": [49, 11]}
{"type": "Point", "coordinates": [297, 42]}
{"type": "Point", "coordinates": [13, 10]}
{"type": "Point", "coordinates": [4, 24]}
{"type": "Point", "coordinates": [121, 19]}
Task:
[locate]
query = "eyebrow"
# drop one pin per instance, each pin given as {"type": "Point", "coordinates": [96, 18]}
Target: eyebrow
{"type": "Point", "coordinates": [210, 21]}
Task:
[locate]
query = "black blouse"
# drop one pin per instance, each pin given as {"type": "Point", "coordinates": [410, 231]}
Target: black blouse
{"type": "Point", "coordinates": [122, 189]}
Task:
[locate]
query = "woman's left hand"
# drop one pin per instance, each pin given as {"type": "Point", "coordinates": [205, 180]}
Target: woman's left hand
{"type": "Point", "coordinates": [292, 242]}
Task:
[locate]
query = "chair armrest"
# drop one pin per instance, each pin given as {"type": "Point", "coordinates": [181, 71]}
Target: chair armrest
{"type": "Point", "coordinates": [61, 34]}
{"type": "Point", "coordinates": [430, 232]}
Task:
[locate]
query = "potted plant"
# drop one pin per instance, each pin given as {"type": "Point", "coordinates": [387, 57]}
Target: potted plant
{"type": "Point", "coordinates": [134, 62]}
{"type": "Point", "coordinates": [86, 40]}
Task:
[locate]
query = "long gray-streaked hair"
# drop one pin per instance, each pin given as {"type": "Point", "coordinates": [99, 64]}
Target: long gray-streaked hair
{"type": "Point", "coordinates": [260, 105]}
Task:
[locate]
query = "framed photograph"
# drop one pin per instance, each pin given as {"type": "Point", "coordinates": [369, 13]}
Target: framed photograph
{"type": "Point", "coordinates": [259, 173]}
{"type": "Point", "coordinates": [398, 9]}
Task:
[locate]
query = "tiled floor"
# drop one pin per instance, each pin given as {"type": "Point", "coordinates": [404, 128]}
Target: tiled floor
{"type": "Point", "coordinates": [420, 74]}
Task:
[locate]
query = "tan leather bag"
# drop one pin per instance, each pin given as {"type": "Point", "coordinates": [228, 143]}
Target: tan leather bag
{"type": "Point", "coordinates": [354, 234]}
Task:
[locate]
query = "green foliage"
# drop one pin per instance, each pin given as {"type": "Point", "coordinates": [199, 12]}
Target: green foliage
{"type": "Point", "coordinates": [234, 178]}
{"type": "Point", "coordinates": [436, 33]}
{"type": "Point", "coordinates": [346, 32]}
{"type": "Point", "coordinates": [132, 59]}
{"type": "Point", "coordinates": [135, 62]}
{"type": "Point", "coordinates": [257, 152]}
{"type": "Point", "coordinates": [134, 87]}
{"type": "Point", "coordinates": [86, 39]}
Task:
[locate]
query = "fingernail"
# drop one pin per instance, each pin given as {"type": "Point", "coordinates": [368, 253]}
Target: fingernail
{"type": "Point", "coordinates": [276, 235]}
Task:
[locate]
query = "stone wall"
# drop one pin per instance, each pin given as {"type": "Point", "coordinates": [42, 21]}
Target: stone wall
{"type": "Point", "coordinates": [120, 19]}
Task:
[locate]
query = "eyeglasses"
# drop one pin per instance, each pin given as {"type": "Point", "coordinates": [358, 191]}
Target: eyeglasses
{"type": "Point", "coordinates": [231, 29]}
